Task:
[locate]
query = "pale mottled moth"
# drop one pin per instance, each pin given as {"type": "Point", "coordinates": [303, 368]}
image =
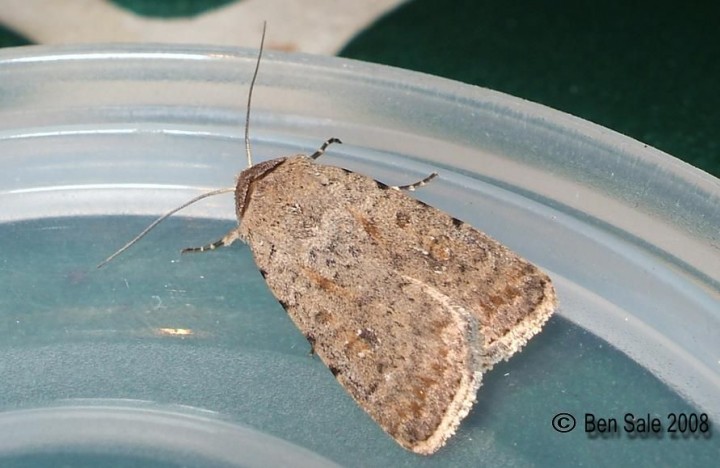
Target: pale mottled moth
{"type": "Point", "coordinates": [406, 305]}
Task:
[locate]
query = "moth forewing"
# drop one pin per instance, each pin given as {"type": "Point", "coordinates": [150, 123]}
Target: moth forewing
{"type": "Point", "coordinates": [406, 305]}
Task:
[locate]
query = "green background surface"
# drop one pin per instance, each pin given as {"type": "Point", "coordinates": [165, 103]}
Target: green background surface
{"type": "Point", "coordinates": [643, 68]}
{"type": "Point", "coordinates": [646, 69]}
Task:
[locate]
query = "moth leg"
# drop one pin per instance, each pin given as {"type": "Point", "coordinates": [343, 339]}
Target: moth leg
{"type": "Point", "coordinates": [413, 186]}
{"type": "Point", "coordinates": [229, 238]}
{"type": "Point", "coordinates": [324, 146]}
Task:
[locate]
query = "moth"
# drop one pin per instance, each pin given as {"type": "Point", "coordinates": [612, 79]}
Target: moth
{"type": "Point", "coordinates": [407, 306]}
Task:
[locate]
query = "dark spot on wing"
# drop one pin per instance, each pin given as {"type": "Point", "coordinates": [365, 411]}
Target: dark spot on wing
{"type": "Point", "coordinates": [457, 223]}
{"type": "Point", "coordinates": [335, 371]}
{"type": "Point", "coordinates": [368, 226]}
{"type": "Point", "coordinates": [263, 273]}
{"type": "Point", "coordinates": [402, 219]}
{"type": "Point", "coordinates": [327, 284]}
{"type": "Point", "coordinates": [369, 336]}
{"type": "Point", "coordinates": [283, 304]}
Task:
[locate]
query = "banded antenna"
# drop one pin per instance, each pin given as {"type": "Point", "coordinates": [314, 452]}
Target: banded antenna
{"type": "Point", "coordinates": [213, 192]}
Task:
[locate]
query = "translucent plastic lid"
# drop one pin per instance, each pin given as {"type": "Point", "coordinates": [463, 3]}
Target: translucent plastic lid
{"type": "Point", "coordinates": [96, 141]}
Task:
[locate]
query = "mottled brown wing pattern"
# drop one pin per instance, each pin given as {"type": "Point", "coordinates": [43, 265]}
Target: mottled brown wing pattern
{"type": "Point", "coordinates": [406, 305]}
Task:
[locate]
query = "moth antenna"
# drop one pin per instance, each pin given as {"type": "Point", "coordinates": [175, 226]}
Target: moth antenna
{"type": "Point", "coordinates": [249, 100]}
{"type": "Point", "coordinates": [214, 192]}
{"type": "Point", "coordinates": [160, 220]}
